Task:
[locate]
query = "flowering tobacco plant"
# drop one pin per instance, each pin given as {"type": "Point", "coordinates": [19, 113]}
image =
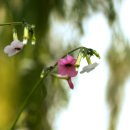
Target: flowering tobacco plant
{"type": "Point", "coordinates": [67, 65]}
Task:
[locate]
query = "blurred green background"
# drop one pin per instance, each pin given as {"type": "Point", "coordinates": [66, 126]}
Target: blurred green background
{"type": "Point", "coordinates": [19, 73]}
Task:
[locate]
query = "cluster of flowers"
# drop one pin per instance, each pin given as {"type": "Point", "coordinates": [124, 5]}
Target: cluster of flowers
{"type": "Point", "coordinates": [16, 45]}
{"type": "Point", "coordinates": [68, 66]}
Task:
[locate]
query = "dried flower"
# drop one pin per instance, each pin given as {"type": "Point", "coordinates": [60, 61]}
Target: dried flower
{"type": "Point", "coordinates": [15, 47]}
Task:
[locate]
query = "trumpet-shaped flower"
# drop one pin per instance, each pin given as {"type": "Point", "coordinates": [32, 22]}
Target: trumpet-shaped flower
{"type": "Point", "coordinates": [66, 67]}
{"type": "Point", "coordinates": [15, 47]}
{"type": "Point", "coordinates": [89, 67]}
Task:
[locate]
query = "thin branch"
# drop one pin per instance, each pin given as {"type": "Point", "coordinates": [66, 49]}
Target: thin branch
{"type": "Point", "coordinates": [12, 23]}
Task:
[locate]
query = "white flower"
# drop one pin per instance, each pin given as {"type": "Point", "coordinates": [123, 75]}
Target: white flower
{"type": "Point", "coordinates": [89, 67]}
{"type": "Point", "coordinates": [15, 47]}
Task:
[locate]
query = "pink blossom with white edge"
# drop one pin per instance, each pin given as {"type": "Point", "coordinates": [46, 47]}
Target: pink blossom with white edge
{"type": "Point", "coordinates": [15, 47]}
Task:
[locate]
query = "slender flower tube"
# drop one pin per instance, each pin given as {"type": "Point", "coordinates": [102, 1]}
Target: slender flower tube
{"type": "Point", "coordinates": [70, 83]}
{"type": "Point", "coordinates": [65, 78]}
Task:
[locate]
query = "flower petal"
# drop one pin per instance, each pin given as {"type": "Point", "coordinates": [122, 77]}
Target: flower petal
{"type": "Point", "coordinates": [70, 59]}
{"type": "Point", "coordinates": [62, 61]}
{"type": "Point", "coordinates": [17, 43]}
{"type": "Point", "coordinates": [71, 72]}
{"type": "Point", "coordinates": [62, 70]}
{"type": "Point", "coordinates": [9, 50]}
{"type": "Point", "coordinates": [15, 47]}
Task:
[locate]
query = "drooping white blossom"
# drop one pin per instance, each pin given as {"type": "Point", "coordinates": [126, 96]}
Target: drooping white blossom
{"type": "Point", "coordinates": [15, 47]}
{"type": "Point", "coordinates": [89, 68]}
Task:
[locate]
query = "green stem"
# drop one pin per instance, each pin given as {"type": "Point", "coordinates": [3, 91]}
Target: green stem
{"type": "Point", "coordinates": [78, 48]}
{"type": "Point", "coordinates": [12, 23]}
{"type": "Point", "coordinates": [25, 102]}
{"type": "Point", "coordinates": [74, 50]}
{"type": "Point", "coordinates": [49, 69]}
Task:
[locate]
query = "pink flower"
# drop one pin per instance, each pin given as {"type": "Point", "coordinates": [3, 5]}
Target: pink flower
{"type": "Point", "coordinates": [15, 47]}
{"type": "Point", "coordinates": [66, 67]}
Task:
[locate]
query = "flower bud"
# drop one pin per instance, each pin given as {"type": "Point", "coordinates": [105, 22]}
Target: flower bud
{"type": "Point", "coordinates": [96, 54]}
{"type": "Point", "coordinates": [32, 31]}
{"type": "Point", "coordinates": [33, 39]}
{"type": "Point", "coordinates": [80, 56]}
{"type": "Point", "coordinates": [25, 35]}
{"type": "Point", "coordinates": [15, 36]}
{"type": "Point", "coordinates": [88, 59]}
{"type": "Point", "coordinates": [42, 73]}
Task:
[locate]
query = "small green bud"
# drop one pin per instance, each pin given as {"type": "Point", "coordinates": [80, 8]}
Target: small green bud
{"type": "Point", "coordinates": [15, 36]}
{"type": "Point", "coordinates": [32, 32]}
{"type": "Point", "coordinates": [80, 56]}
{"type": "Point", "coordinates": [25, 35]}
{"type": "Point", "coordinates": [96, 54]}
{"type": "Point", "coordinates": [33, 39]}
{"type": "Point", "coordinates": [88, 59]}
{"type": "Point", "coordinates": [42, 74]}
